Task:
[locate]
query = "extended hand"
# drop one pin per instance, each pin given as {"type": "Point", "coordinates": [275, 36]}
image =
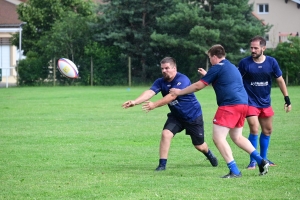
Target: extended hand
{"type": "Point", "coordinates": [287, 108]}
{"type": "Point", "coordinates": [147, 106]}
{"type": "Point", "coordinates": [174, 91]}
{"type": "Point", "coordinates": [202, 71]}
{"type": "Point", "coordinates": [128, 104]}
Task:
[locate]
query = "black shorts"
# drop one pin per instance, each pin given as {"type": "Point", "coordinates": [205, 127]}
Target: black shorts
{"type": "Point", "coordinates": [195, 128]}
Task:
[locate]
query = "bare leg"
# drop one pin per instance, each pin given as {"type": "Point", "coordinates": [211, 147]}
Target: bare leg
{"type": "Point", "coordinates": [240, 140]}
{"type": "Point", "coordinates": [253, 124]}
{"type": "Point", "coordinates": [219, 138]}
{"type": "Point", "coordinates": [165, 143]}
{"type": "Point", "coordinates": [202, 148]}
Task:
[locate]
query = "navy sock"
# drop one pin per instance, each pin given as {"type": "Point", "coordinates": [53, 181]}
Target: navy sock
{"type": "Point", "coordinates": [264, 141]}
{"type": "Point", "coordinates": [208, 154]}
{"type": "Point", "coordinates": [162, 162]}
{"type": "Point", "coordinates": [256, 156]}
{"type": "Point", "coordinates": [233, 167]}
{"type": "Point", "coordinates": [253, 139]}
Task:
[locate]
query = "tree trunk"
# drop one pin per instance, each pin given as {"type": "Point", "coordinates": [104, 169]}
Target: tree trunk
{"type": "Point", "coordinates": [129, 71]}
{"type": "Point", "coordinates": [287, 77]}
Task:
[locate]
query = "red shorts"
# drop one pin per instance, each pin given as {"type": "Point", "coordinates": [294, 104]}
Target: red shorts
{"type": "Point", "coordinates": [231, 116]}
{"type": "Point", "coordinates": [260, 112]}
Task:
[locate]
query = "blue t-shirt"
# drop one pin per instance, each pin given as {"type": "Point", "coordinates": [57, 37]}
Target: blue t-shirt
{"type": "Point", "coordinates": [227, 83]}
{"type": "Point", "coordinates": [257, 79]}
{"type": "Point", "coordinates": [185, 107]}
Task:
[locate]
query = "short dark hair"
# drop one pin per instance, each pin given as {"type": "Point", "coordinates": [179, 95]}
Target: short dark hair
{"type": "Point", "coordinates": [170, 60]}
{"type": "Point", "coordinates": [262, 41]}
{"type": "Point", "coordinates": [217, 50]}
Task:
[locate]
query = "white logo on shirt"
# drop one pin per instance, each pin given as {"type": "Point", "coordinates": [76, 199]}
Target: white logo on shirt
{"type": "Point", "coordinates": [259, 67]}
{"type": "Point", "coordinates": [168, 85]}
{"type": "Point", "coordinates": [173, 103]}
{"type": "Point", "coordinates": [178, 83]}
{"type": "Point", "coordinates": [259, 83]}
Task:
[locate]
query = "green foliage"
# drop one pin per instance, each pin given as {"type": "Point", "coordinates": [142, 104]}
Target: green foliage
{"type": "Point", "coordinates": [65, 41]}
{"type": "Point", "coordinates": [107, 66]}
{"type": "Point", "coordinates": [128, 25]}
{"type": "Point", "coordinates": [195, 26]}
{"type": "Point", "coordinates": [56, 29]}
{"type": "Point", "coordinates": [41, 15]}
{"type": "Point", "coordinates": [288, 56]}
{"type": "Point", "coordinates": [32, 70]}
{"type": "Point", "coordinates": [146, 31]}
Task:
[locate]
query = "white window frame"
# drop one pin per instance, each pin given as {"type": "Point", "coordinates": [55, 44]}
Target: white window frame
{"type": "Point", "coordinates": [264, 8]}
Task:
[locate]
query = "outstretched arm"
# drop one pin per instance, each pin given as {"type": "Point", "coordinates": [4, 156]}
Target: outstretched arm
{"type": "Point", "coordinates": [190, 89]}
{"type": "Point", "coordinates": [145, 96]}
{"type": "Point", "coordinates": [282, 86]}
{"type": "Point", "coordinates": [148, 105]}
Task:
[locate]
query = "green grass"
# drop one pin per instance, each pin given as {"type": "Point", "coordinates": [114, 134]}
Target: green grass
{"type": "Point", "coordinates": [78, 143]}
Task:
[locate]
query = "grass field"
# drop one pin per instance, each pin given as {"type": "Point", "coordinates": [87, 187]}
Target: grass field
{"type": "Point", "coordinates": [78, 143]}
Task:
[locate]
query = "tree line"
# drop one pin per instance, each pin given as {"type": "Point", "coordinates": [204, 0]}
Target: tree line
{"type": "Point", "coordinates": [103, 40]}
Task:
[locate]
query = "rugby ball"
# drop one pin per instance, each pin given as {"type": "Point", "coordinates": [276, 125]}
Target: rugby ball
{"type": "Point", "coordinates": [67, 68]}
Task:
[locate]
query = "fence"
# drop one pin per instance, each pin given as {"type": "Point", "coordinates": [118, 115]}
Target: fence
{"type": "Point", "coordinates": [7, 78]}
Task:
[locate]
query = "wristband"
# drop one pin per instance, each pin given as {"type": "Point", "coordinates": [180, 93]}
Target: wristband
{"type": "Point", "coordinates": [287, 100]}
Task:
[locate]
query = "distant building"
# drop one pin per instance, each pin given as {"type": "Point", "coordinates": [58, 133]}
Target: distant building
{"type": "Point", "coordinates": [9, 25]}
{"type": "Point", "coordinates": [284, 15]}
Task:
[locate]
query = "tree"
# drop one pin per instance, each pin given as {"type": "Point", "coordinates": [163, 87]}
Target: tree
{"type": "Point", "coordinates": [55, 28]}
{"type": "Point", "coordinates": [128, 25]}
{"type": "Point", "coordinates": [41, 15]}
{"type": "Point", "coordinates": [33, 70]}
{"type": "Point", "coordinates": [105, 63]}
{"type": "Point", "coordinates": [288, 56]}
{"type": "Point", "coordinates": [194, 26]}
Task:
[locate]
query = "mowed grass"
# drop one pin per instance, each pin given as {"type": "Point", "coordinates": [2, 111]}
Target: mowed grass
{"type": "Point", "coordinates": [78, 143]}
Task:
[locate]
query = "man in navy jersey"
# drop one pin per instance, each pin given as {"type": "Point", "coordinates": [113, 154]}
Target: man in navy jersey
{"type": "Point", "coordinates": [185, 112]}
{"type": "Point", "coordinates": [232, 103]}
{"type": "Point", "coordinates": [257, 72]}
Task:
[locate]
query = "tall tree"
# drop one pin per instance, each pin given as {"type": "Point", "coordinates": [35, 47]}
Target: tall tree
{"type": "Point", "coordinates": [196, 25]}
{"type": "Point", "coordinates": [41, 15]}
{"type": "Point", "coordinates": [128, 24]}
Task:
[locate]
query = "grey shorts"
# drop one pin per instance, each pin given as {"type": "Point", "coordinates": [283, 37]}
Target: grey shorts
{"type": "Point", "coordinates": [194, 128]}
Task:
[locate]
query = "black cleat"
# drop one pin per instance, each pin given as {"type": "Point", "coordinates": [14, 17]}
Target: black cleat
{"type": "Point", "coordinates": [232, 175]}
{"type": "Point", "coordinates": [213, 160]}
{"type": "Point", "coordinates": [160, 168]}
{"type": "Point", "coordinates": [263, 167]}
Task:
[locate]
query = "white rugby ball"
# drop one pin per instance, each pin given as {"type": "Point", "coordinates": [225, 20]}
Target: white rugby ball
{"type": "Point", "coordinates": [67, 68]}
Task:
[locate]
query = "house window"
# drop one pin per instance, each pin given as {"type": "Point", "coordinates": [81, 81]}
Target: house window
{"type": "Point", "coordinates": [263, 8]}
{"type": "Point", "coordinates": [267, 37]}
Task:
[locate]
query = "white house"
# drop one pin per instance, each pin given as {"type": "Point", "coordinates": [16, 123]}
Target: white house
{"type": "Point", "coordinates": [284, 15]}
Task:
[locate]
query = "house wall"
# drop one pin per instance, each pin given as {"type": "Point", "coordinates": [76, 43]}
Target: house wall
{"type": "Point", "coordinates": [9, 25]}
{"type": "Point", "coordinates": [283, 16]}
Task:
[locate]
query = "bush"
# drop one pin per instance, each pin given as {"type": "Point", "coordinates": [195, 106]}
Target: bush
{"type": "Point", "coordinates": [33, 70]}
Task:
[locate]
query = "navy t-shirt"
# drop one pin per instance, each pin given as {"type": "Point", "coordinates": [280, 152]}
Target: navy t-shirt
{"type": "Point", "coordinates": [185, 107]}
{"type": "Point", "coordinates": [227, 83]}
{"type": "Point", "coordinates": [257, 79]}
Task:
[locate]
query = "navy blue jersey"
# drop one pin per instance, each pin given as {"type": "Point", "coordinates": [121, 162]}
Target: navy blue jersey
{"type": "Point", "coordinates": [227, 83]}
{"type": "Point", "coordinates": [257, 79]}
{"type": "Point", "coordinates": [185, 107]}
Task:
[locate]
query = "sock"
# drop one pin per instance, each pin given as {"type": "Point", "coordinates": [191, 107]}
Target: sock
{"type": "Point", "coordinates": [256, 156]}
{"type": "Point", "coordinates": [233, 167]}
{"type": "Point", "coordinates": [162, 162]}
{"type": "Point", "coordinates": [253, 139]}
{"type": "Point", "coordinates": [264, 141]}
{"type": "Point", "coordinates": [208, 154]}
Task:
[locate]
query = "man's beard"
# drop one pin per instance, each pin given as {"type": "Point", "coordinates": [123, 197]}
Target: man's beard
{"type": "Point", "coordinates": [257, 55]}
{"type": "Point", "coordinates": [166, 77]}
